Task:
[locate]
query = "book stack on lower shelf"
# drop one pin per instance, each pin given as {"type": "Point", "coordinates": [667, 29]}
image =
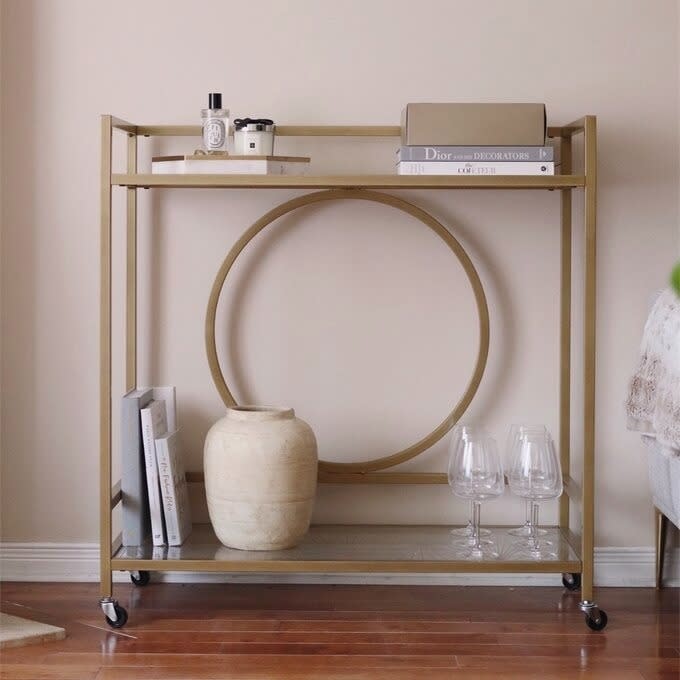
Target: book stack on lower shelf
{"type": "Point", "coordinates": [476, 160]}
{"type": "Point", "coordinates": [154, 488]}
{"type": "Point", "coordinates": [474, 139]}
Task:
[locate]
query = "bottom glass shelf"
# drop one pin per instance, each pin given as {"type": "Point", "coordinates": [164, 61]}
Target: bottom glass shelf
{"type": "Point", "coordinates": [352, 548]}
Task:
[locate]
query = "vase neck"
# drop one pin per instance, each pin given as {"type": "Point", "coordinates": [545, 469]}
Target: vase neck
{"type": "Point", "coordinates": [259, 413]}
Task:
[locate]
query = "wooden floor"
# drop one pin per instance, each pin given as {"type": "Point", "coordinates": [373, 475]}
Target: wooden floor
{"type": "Point", "coordinates": [201, 632]}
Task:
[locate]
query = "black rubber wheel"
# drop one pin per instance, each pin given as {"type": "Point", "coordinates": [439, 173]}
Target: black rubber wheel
{"type": "Point", "coordinates": [571, 582]}
{"type": "Point", "coordinates": [599, 623]}
{"type": "Point", "coordinates": [122, 617]}
{"type": "Point", "coordinates": [142, 580]}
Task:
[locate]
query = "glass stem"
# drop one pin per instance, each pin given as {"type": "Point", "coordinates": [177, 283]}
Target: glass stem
{"type": "Point", "coordinates": [534, 526]}
{"type": "Point", "coordinates": [477, 506]}
{"type": "Point", "coordinates": [527, 507]}
{"type": "Point", "coordinates": [471, 518]}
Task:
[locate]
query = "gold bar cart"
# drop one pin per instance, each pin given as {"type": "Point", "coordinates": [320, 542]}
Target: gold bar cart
{"type": "Point", "coordinates": [376, 549]}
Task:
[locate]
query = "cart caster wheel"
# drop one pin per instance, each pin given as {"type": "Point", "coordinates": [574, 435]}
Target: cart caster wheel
{"type": "Point", "coordinates": [596, 619]}
{"type": "Point", "coordinates": [140, 578]}
{"type": "Point", "coordinates": [121, 617]}
{"type": "Point", "coordinates": [571, 582]}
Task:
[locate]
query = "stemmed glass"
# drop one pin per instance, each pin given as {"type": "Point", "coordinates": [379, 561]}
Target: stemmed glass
{"type": "Point", "coordinates": [468, 530]}
{"type": "Point", "coordinates": [517, 431]}
{"type": "Point", "coordinates": [536, 475]}
{"type": "Point", "coordinates": [476, 475]}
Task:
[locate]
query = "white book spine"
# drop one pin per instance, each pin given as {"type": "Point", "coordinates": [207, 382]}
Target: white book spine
{"type": "Point", "coordinates": [153, 424]}
{"type": "Point", "coordinates": [165, 474]}
{"type": "Point", "coordinates": [174, 490]}
{"type": "Point", "coordinates": [456, 168]}
{"type": "Point", "coordinates": [477, 154]}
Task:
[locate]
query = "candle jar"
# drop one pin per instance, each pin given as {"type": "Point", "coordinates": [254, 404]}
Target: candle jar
{"type": "Point", "coordinates": [253, 137]}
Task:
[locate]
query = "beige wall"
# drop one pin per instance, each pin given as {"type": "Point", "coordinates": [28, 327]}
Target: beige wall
{"type": "Point", "coordinates": [354, 315]}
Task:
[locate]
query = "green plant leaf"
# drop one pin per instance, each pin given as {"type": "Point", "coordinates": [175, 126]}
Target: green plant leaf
{"type": "Point", "coordinates": [675, 278]}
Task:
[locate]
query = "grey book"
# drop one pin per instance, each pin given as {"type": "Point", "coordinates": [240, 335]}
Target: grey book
{"type": "Point", "coordinates": [136, 521]}
{"type": "Point", "coordinates": [484, 154]}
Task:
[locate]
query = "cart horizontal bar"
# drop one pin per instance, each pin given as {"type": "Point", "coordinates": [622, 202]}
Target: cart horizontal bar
{"type": "Point", "coordinates": [571, 488]}
{"type": "Point", "coordinates": [119, 124]}
{"type": "Point", "coordinates": [340, 566]}
{"type": "Point", "coordinates": [148, 181]}
{"type": "Point", "coordinates": [574, 128]}
{"type": "Point", "coordinates": [281, 130]}
{"type": "Point", "coordinates": [307, 130]}
{"type": "Point", "coordinates": [361, 478]}
{"type": "Point", "coordinates": [383, 478]}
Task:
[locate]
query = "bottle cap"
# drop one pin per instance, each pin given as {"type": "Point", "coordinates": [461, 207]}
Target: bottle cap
{"type": "Point", "coordinates": [215, 100]}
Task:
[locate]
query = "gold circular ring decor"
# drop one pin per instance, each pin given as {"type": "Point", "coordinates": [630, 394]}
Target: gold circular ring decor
{"type": "Point", "coordinates": [441, 231]}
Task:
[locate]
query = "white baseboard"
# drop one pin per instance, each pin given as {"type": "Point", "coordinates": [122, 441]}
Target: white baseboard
{"type": "Point", "coordinates": [79, 562]}
{"type": "Point", "coordinates": [68, 562]}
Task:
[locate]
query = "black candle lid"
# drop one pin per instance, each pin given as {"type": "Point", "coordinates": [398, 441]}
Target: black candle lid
{"type": "Point", "coordinates": [240, 123]}
{"type": "Point", "coordinates": [215, 100]}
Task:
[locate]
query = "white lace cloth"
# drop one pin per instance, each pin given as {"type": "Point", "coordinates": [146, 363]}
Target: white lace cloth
{"type": "Point", "coordinates": [653, 404]}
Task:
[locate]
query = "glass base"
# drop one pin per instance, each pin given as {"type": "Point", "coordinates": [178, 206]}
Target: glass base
{"type": "Point", "coordinates": [524, 551]}
{"type": "Point", "coordinates": [466, 541]}
{"type": "Point", "coordinates": [526, 542]}
{"type": "Point", "coordinates": [486, 551]}
{"type": "Point", "coordinates": [467, 531]}
{"type": "Point", "coordinates": [525, 531]}
{"type": "Point", "coordinates": [543, 552]}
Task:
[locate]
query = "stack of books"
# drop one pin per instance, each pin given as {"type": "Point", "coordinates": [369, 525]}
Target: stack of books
{"type": "Point", "coordinates": [153, 481]}
{"type": "Point", "coordinates": [474, 139]}
{"type": "Point", "coordinates": [476, 160]}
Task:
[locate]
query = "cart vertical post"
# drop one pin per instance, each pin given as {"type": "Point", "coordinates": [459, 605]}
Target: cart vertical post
{"type": "Point", "coordinates": [588, 510]}
{"type": "Point", "coordinates": [565, 328]}
{"type": "Point", "coordinates": [131, 271]}
{"type": "Point", "coordinates": [106, 584]}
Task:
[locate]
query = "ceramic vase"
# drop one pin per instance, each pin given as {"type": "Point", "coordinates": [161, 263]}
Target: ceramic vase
{"type": "Point", "coordinates": [260, 467]}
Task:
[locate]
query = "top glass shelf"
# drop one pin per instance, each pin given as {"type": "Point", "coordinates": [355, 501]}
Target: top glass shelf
{"type": "Point", "coordinates": [148, 181]}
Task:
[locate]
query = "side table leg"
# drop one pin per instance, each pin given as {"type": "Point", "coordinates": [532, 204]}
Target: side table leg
{"type": "Point", "coordinates": [661, 530]}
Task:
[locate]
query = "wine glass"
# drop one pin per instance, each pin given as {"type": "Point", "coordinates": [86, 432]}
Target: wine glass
{"type": "Point", "coordinates": [536, 475]}
{"type": "Point", "coordinates": [468, 530]}
{"type": "Point", "coordinates": [477, 475]}
{"type": "Point", "coordinates": [512, 448]}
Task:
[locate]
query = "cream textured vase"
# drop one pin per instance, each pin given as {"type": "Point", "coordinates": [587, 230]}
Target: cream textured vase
{"type": "Point", "coordinates": [260, 467]}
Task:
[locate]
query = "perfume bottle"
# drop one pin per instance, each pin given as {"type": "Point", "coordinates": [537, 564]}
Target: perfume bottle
{"type": "Point", "coordinates": [215, 124]}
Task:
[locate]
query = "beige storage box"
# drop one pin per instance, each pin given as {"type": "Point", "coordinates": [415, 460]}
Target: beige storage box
{"type": "Point", "coordinates": [473, 125]}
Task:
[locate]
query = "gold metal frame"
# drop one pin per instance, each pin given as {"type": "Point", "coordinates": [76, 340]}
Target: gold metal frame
{"type": "Point", "coordinates": [353, 566]}
{"type": "Point", "coordinates": [328, 468]}
{"type": "Point", "coordinates": [348, 181]}
{"type": "Point", "coordinates": [582, 538]}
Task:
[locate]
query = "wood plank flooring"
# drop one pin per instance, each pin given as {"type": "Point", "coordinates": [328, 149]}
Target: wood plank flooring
{"type": "Point", "coordinates": [291, 632]}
